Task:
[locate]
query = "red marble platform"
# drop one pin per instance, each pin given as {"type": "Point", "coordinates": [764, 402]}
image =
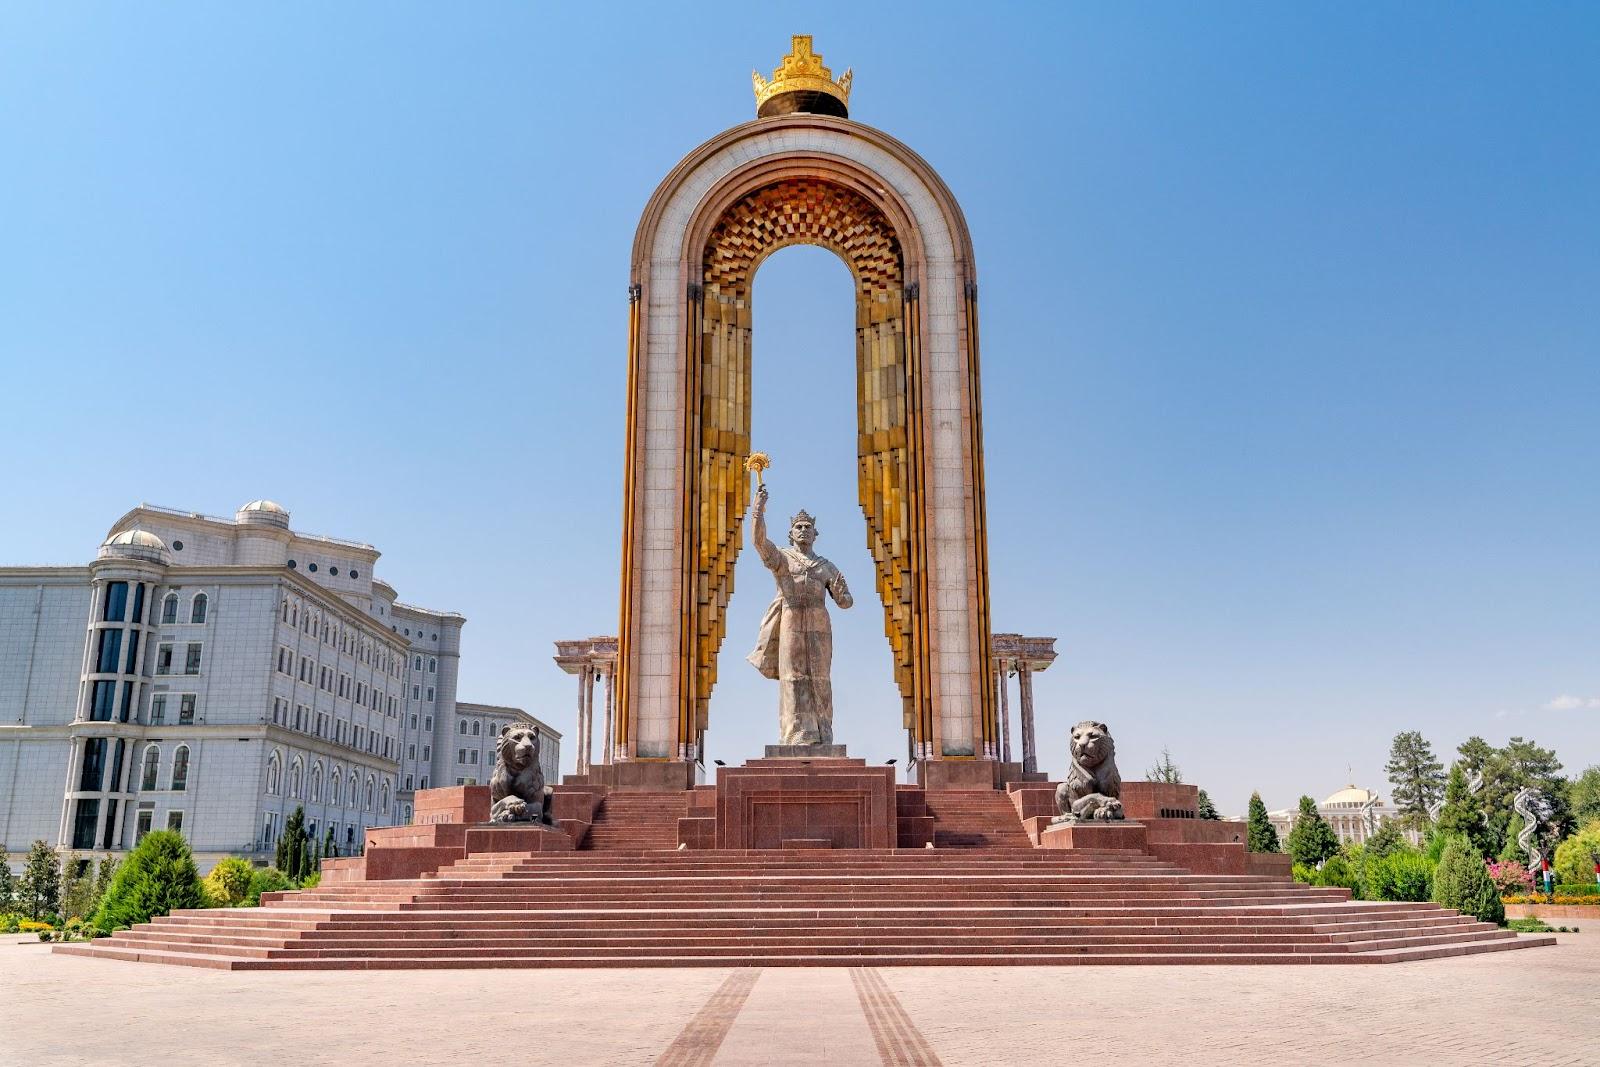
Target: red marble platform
{"type": "Point", "coordinates": [796, 802]}
{"type": "Point", "coordinates": [1115, 834]}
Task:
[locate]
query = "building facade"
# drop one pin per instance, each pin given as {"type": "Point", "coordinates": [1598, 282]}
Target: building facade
{"type": "Point", "coordinates": [210, 675]}
{"type": "Point", "coordinates": [1354, 813]}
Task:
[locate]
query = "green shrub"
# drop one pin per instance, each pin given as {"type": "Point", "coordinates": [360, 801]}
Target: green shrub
{"type": "Point", "coordinates": [264, 880]}
{"type": "Point", "coordinates": [1578, 889]}
{"type": "Point", "coordinates": [1401, 875]}
{"type": "Point", "coordinates": [1461, 881]}
{"type": "Point", "coordinates": [1574, 859]}
{"type": "Point", "coordinates": [10, 923]}
{"type": "Point", "coordinates": [1303, 874]}
{"type": "Point", "coordinates": [1338, 872]}
{"type": "Point", "coordinates": [312, 880]}
{"type": "Point", "coordinates": [158, 877]}
{"type": "Point", "coordinates": [1528, 926]}
{"type": "Point", "coordinates": [229, 882]}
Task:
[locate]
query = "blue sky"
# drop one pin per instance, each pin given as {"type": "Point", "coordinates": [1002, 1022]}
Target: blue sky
{"type": "Point", "coordinates": [1290, 332]}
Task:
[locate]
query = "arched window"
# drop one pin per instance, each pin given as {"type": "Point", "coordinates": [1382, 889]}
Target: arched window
{"type": "Point", "coordinates": [463, 727]}
{"type": "Point", "coordinates": [316, 783]}
{"type": "Point", "coordinates": [274, 774]}
{"type": "Point", "coordinates": [169, 608]}
{"type": "Point", "coordinates": [152, 763]}
{"type": "Point", "coordinates": [180, 769]}
{"type": "Point", "coordinates": [197, 610]}
{"type": "Point", "coordinates": [433, 665]}
{"type": "Point", "coordinates": [383, 804]}
{"type": "Point", "coordinates": [355, 789]}
{"type": "Point", "coordinates": [285, 611]}
{"type": "Point", "coordinates": [335, 781]}
{"type": "Point", "coordinates": [294, 778]}
{"type": "Point", "coordinates": [477, 728]}
{"type": "Point", "coordinates": [371, 787]}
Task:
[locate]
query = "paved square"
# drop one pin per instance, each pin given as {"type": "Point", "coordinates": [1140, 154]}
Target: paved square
{"type": "Point", "coordinates": [1530, 1008]}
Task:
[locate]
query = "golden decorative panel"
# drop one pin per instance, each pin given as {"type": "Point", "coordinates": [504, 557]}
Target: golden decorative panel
{"type": "Point", "coordinates": [817, 212]}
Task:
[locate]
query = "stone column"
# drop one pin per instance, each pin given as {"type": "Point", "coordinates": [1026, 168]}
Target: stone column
{"type": "Point", "coordinates": [606, 739]}
{"type": "Point", "coordinates": [588, 718]}
{"type": "Point", "coordinates": [583, 726]}
{"type": "Point", "coordinates": [1030, 760]}
{"type": "Point", "coordinates": [1005, 712]}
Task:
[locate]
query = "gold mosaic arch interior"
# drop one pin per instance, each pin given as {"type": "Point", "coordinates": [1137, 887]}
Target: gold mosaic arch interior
{"type": "Point", "coordinates": [818, 212]}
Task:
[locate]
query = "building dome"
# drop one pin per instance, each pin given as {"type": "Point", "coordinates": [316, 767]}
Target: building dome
{"type": "Point", "coordinates": [264, 512]}
{"type": "Point", "coordinates": [135, 544]}
{"type": "Point", "coordinates": [1351, 795]}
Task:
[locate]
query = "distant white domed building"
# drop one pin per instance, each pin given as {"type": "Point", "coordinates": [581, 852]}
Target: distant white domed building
{"type": "Point", "coordinates": [1354, 813]}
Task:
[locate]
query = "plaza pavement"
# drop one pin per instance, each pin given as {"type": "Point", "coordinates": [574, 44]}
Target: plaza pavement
{"type": "Point", "coordinates": [1534, 1007]}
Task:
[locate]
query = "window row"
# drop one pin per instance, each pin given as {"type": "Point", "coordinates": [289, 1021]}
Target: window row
{"type": "Point", "coordinates": [341, 635]}
{"type": "Point", "coordinates": [307, 670]}
{"type": "Point", "coordinates": [433, 664]}
{"type": "Point", "coordinates": [197, 608]}
{"type": "Point", "coordinates": [115, 602]}
{"type": "Point", "coordinates": [191, 658]}
{"type": "Point", "coordinates": [150, 769]}
{"type": "Point", "coordinates": [305, 720]}
{"type": "Point", "coordinates": [308, 786]}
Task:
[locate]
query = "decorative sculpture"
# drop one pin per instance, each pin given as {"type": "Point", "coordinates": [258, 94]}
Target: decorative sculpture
{"type": "Point", "coordinates": [1093, 789]}
{"type": "Point", "coordinates": [1536, 810]}
{"type": "Point", "coordinates": [517, 787]}
{"type": "Point", "coordinates": [795, 646]}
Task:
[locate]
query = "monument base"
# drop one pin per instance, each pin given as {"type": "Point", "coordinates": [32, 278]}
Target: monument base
{"type": "Point", "coordinates": [806, 752]}
{"type": "Point", "coordinates": [1118, 833]}
{"type": "Point", "coordinates": [809, 801]}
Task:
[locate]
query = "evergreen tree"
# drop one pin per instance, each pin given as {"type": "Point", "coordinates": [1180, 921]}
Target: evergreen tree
{"type": "Point", "coordinates": [77, 888]}
{"type": "Point", "coordinates": [1260, 836]}
{"type": "Point", "coordinates": [1416, 778]}
{"type": "Point", "coordinates": [1208, 810]}
{"type": "Point", "coordinates": [1509, 849]}
{"type": "Point", "coordinates": [1164, 770]}
{"type": "Point", "coordinates": [158, 877]}
{"type": "Point", "coordinates": [1311, 839]}
{"type": "Point", "coordinates": [102, 879]}
{"type": "Point", "coordinates": [8, 883]}
{"type": "Point", "coordinates": [329, 847]}
{"type": "Point", "coordinates": [1461, 881]}
{"type": "Point", "coordinates": [1385, 841]}
{"type": "Point", "coordinates": [40, 889]}
{"type": "Point", "coordinates": [1458, 816]}
{"type": "Point", "coordinates": [280, 857]}
{"type": "Point", "coordinates": [296, 846]}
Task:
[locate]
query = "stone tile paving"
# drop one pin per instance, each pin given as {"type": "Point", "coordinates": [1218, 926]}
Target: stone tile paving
{"type": "Point", "coordinates": [1529, 1008]}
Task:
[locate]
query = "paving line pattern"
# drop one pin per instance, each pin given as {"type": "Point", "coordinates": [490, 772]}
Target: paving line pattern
{"type": "Point", "coordinates": [900, 1043]}
{"type": "Point", "coordinates": [702, 1036]}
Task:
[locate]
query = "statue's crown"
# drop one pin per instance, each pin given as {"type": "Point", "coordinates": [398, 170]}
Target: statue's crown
{"type": "Point", "coordinates": [802, 514]}
{"type": "Point", "coordinates": [802, 72]}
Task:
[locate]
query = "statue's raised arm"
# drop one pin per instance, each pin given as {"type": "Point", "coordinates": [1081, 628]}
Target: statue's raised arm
{"type": "Point", "coordinates": [758, 535]}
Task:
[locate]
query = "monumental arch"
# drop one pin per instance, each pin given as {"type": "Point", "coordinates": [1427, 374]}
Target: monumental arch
{"type": "Point", "coordinates": [803, 173]}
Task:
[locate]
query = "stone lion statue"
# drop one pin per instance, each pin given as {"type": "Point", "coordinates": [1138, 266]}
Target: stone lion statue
{"type": "Point", "coordinates": [517, 787]}
{"type": "Point", "coordinates": [1093, 788]}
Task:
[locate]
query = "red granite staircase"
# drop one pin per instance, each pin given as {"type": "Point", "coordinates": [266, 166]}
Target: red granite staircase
{"type": "Point", "coordinates": [633, 822]}
{"type": "Point", "coordinates": [977, 819]}
{"type": "Point", "coordinates": [777, 908]}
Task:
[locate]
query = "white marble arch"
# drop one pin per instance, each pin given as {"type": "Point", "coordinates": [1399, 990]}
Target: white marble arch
{"type": "Point", "coordinates": [666, 259]}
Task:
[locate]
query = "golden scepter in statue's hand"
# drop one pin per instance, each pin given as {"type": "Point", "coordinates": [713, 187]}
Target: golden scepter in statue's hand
{"type": "Point", "coordinates": [758, 462]}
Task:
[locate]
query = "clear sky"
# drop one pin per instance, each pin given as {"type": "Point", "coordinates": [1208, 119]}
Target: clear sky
{"type": "Point", "coordinates": [1291, 335]}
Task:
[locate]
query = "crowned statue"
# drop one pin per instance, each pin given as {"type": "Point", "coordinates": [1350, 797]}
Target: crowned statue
{"type": "Point", "coordinates": [795, 647]}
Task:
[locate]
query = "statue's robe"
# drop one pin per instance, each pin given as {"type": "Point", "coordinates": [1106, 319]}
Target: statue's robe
{"type": "Point", "coordinates": [795, 646]}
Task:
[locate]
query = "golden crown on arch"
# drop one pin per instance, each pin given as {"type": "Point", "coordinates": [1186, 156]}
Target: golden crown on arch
{"type": "Point", "coordinates": [801, 72]}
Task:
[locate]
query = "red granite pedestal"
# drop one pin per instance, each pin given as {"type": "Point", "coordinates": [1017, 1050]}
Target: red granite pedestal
{"type": "Point", "coordinates": [797, 802]}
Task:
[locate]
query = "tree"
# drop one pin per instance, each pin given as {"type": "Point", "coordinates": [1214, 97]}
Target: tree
{"type": "Point", "coordinates": [1583, 796]}
{"type": "Point", "coordinates": [1505, 771]}
{"type": "Point", "coordinates": [8, 883]}
{"type": "Point", "coordinates": [329, 847]}
{"type": "Point", "coordinates": [102, 878]}
{"type": "Point", "coordinates": [1461, 881]}
{"type": "Point", "coordinates": [229, 882]}
{"type": "Point", "coordinates": [1259, 834]}
{"type": "Point", "coordinates": [1208, 810]}
{"type": "Point", "coordinates": [1576, 857]}
{"type": "Point", "coordinates": [1458, 816]}
{"type": "Point", "coordinates": [1386, 840]}
{"type": "Point", "coordinates": [77, 888]}
{"type": "Point", "coordinates": [264, 880]}
{"type": "Point", "coordinates": [294, 852]}
{"type": "Point", "coordinates": [1311, 840]}
{"type": "Point", "coordinates": [158, 877]}
{"type": "Point", "coordinates": [1164, 770]}
{"type": "Point", "coordinates": [1416, 778]}
{"type": "Point", "coordinates": [39, 893]}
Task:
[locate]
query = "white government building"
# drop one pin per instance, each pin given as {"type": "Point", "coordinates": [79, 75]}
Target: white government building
{"type": "Point", "coordinates": [210, 675]}
{"type": "Point", "coordinates": [1354, 813]}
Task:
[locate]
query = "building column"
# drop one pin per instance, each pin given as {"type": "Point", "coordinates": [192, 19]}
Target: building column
{"type": "Point", "coordinates": [1004, 705]}
{"type": "Point", "coordinates": [588, 718]}
{"type": "Point", "coordinates": [582, 763]}
{"type": "Point", "coordinates": [606, 741]}
{"type": "Point", "coordinates": [1030, 759]}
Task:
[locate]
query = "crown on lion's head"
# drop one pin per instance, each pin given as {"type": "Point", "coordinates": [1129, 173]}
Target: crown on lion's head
{"type": "Point", "coordinates": [518, 747]}
{"type": "Point", "coordinates": [1091, 743]}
